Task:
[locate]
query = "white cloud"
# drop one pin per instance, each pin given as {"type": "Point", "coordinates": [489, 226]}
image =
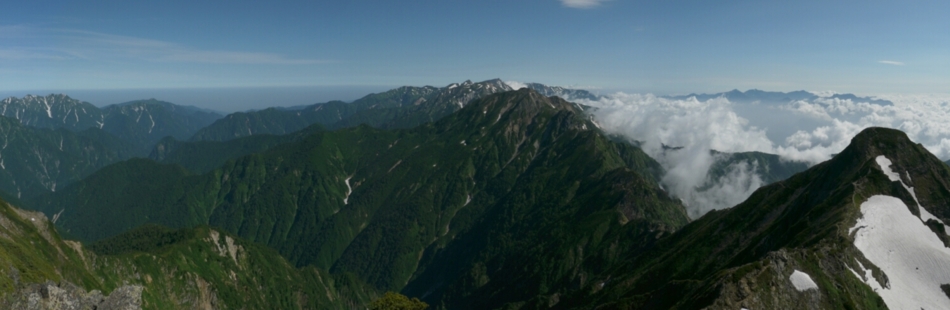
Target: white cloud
{"type": "Point", "coordinates": [516, 85]}
{"type": "Point", "coordinates": [891, 62]}
{"type": "Point", "coordinates": [697, 127]}
{"type": "Point", "coordinates": [812, 130]}
{"type": "Point", "coordinates": [582, 4]}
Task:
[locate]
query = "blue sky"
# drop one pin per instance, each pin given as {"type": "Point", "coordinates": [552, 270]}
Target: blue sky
{"type": "Point", "coordinates": [662, 47]}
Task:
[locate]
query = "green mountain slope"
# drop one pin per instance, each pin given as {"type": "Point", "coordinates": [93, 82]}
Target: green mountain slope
{"type": "Point", "coordinates": [35, 161]}
{"type": "Point", "coordinates": [158, 268]}
{"type": "Point", "coordinates": [403, 107]}
{"type": "Point", "coordinates": [203, 156]}
{"type": "Point", "coordinates": [745, 256]}
{"type": "Point", "coordinates": [478, 210]}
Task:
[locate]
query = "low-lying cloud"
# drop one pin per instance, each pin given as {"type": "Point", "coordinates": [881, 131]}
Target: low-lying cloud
{"type": "Point", "coordinates": [806, 130]}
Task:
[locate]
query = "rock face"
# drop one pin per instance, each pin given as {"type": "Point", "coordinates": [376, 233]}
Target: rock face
{"type": "Point", "coordinates": [67, 296]}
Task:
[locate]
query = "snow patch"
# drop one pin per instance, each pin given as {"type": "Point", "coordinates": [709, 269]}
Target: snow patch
{"type": "Point", "coordinates": [802, 281]}
{"type": "Point", "coordinates": [907, 251]}
{"type": "Point", "coordinates": [885, 164]}
{"type": "Point", "coordinates": [349, 190]}
{"type": "Point", "coordinates": [886, 167]}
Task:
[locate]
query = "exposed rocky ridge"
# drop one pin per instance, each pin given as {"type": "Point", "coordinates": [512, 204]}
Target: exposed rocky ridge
{"type": "Point", "coordinates": [68, 296]}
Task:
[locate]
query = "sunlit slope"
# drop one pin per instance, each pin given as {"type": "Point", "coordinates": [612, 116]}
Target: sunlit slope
{"type": "Point", "coordinates": [158, 268]}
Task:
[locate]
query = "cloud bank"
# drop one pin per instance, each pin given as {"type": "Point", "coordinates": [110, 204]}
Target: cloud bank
{"type": "Point", "coordinates": [805, 130]}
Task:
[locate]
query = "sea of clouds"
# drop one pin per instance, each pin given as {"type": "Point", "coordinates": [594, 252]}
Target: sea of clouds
{"type": "Point", "coordinates": [806, 130]}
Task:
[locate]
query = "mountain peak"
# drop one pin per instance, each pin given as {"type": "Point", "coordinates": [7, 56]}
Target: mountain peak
{"type": "Point", "coordinates": [518, 108]}
{"type": "Point", "coordinates": [880, 139]}
{"type": "Point", "coordinates": [526, 99]}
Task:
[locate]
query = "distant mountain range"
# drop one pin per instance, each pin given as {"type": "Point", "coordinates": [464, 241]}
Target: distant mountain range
{"type": "Point", "coordinates": [767, 97]}
{"type": "Point", "coordinates": [52, 141]}
{"type": "Point", "coordinates": [141, 123]}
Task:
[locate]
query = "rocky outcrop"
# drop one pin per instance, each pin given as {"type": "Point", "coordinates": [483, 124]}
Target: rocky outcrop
{"type": "Point", "coordinates": [67, 296]}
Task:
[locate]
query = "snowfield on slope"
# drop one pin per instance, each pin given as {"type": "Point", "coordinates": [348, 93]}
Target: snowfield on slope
{"type": "Point", "coordinates": [914, 259]}
{"type": "Point", "coordinates": [899, 243]}
{"type": "Point", "coordinates": [910, 254]}
{"type": "Point", "coordinates": [885, 165]}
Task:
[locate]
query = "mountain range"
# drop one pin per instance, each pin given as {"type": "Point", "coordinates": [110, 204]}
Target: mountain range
{"type": "Point", "coordinates": [51, 141]}
{"type": "Point", "coordinates": [399, 208]}
{"type": "Point", "coordinates": [469, 196]}
{"type": "Point", "coordinates": [140, 123]}
{"type": "Point", "coordinates": [767, 97]}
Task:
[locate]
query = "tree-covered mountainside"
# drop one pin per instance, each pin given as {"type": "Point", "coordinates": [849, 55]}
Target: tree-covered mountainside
{"type": "Point", "coordinates": [157, 268]}
{"type": "Point", "coordinates": [203, 156]}
{"type": "Point", "coordinates": [753, 255]}
{"type": "Point", "coordinates": [515, 197]}
{"type": "Point", "coordinates": [139, 123]}
{"type": "Point", "coordinates": [403, 107]}
{"type": "Point", "coordinates": [35, 161]}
